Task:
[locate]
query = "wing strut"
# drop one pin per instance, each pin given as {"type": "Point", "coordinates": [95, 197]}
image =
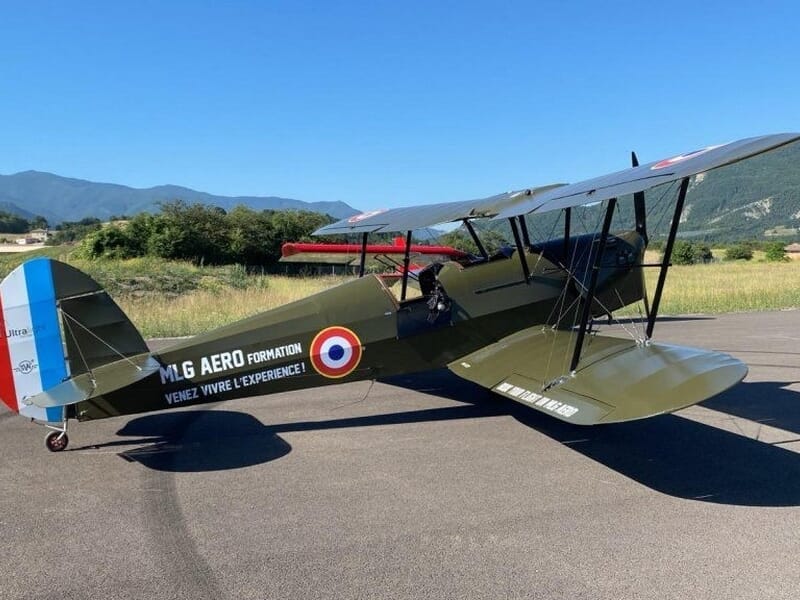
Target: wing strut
{"type": "Point", "coordinates": [587, 306]}
{"type": "Point", "coordinates": [523, 227]}
{"type": "Point", "coordinates": [567, 226]}
{"type": "Point", "coordinates": [639, 206]}
{"type": "Point", "coordinates": [406, 262]}
{"type": "Point", "coordinates": [520, 250]}
{"type": "Point", "coordinates": [363, 263]}
{"type": "Point", "coordinates": [476, 239]}
{"type": "Point", "coordinates": [665, 261]}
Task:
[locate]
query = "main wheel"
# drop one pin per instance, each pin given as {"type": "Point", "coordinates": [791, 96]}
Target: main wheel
{"type": "Point", "coordinates": [56, 441]}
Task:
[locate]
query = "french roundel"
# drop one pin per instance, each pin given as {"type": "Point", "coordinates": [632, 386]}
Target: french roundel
{"type": "Point", "coordinates": [335, 352]}
{"type": "Point", "coordinates": [668, 162]}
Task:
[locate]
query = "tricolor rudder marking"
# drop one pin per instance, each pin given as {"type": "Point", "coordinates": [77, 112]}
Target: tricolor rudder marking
{"type": "Point", "coordinates": [335, 352]}
{"type": "Point", "coordinates": [31, 350]}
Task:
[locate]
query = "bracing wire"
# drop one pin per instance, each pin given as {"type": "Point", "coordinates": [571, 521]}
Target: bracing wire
{"type": "Point", "coordinates": [587, 252]}
{"type": "Point", "coordinates": [80, 352]}
{"type": "Point", "coordinates": [98, 338]}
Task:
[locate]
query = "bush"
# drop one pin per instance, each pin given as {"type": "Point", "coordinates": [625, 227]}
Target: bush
{"type": "Point", "coordinates": [704, 254]}
{"type": "Point", "coordinates": [109, 242]}
{"type": "Point", "coordinates": [689, 253]}
{"type": "Point", "coordinates": [739, 252]}
{"type": "Point", "coordinates": [775, 252]}
{"type": "Point", "coordinates": [69, 232]}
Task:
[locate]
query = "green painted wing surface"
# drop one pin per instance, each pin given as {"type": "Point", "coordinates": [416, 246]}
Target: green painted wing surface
{"type": "Point", "coordinates": [616, 380]}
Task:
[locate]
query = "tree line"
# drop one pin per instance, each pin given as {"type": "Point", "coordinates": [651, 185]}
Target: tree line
{"type": "Point", "coordinates": [11, 223]}
{"type": "Point", "coordinates": [204, 234]}
{"type": "Point", "coordinates": [210, 235]}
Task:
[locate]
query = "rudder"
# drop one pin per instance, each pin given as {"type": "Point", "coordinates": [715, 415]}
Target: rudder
{"type": "Point", "coordinates": [57, 323]}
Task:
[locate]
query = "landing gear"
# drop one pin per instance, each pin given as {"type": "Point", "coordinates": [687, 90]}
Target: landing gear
{"type": "Point", "coordinates": [56, 441]}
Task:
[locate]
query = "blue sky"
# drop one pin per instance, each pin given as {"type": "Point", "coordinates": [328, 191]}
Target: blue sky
{"type": "Point", "coordinates": [383, 104]}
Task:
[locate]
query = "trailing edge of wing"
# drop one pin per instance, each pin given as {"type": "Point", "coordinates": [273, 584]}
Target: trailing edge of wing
{"type": "Point", "coordinates": [416, 217]}
{"type": "Point", "coordinates": [644, 177]}
{"type": "Point", "coordinates": [617, 379]}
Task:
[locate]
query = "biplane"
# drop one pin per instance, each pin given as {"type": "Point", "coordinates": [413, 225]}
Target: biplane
{"type": "Point", "coordinates": [518, 322]}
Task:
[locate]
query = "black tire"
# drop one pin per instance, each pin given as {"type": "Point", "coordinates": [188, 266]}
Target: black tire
{"type": "Point", "coordinates": [56, 441]}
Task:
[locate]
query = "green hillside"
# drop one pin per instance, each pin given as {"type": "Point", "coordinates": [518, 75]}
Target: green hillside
{"type": "Point", "coordinates": [749, 200]}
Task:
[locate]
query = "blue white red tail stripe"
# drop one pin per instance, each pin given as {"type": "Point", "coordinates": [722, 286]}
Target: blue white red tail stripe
{"type": "Point", "coordinates": [32, 339]}
{"type": "Point", "coordinates": [47, 332]}
{"type": "Point", "coordinates": [7, 391]}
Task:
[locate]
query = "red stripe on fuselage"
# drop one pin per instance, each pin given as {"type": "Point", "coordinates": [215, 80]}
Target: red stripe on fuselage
{"type": "Point", "coordinates": [8, 394]}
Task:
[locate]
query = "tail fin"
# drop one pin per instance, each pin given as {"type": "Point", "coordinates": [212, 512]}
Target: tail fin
{"type": "Point", "coordinates": [56, 324]}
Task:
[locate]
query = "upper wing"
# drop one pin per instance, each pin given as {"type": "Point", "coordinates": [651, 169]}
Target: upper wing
{"type": "Point", "coordinates": [644, 177]}
{"type": "Point", "coordinates": [617, 380]}
{"type": "Point", "coordinates": [558, 196]}
{"type": "Point", "coordinates": [410, 218]}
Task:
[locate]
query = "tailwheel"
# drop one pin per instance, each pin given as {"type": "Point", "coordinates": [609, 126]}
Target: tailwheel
{"type": "Point", "coordinates": [56, 441]}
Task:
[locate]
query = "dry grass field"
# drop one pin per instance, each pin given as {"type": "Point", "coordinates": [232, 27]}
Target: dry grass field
{"type": "Point", "coordinates": [713, 288]}
{"type": "Point", "coordinates": [204, 309]}
{"type": "Point", "coordinates": [722, 287]}
{"type": "Point", "coordinates": [165, 299]}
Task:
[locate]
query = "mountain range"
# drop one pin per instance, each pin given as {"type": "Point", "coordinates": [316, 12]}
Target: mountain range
{"type": "Point", "coordinates": [752, 199]}
{"type": "Point", "coordinates": [60, 199]}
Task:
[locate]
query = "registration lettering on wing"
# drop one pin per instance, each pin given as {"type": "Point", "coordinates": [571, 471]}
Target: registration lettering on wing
{"type": "Point", "coordinates": [536, 399]}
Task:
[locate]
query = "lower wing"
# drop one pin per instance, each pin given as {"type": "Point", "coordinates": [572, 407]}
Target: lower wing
{"type": "Point", "coordinates": [616, 380]}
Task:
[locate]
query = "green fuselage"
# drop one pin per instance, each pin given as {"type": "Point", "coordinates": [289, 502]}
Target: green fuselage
{"type": "Point", "coordinates": [370, 333]}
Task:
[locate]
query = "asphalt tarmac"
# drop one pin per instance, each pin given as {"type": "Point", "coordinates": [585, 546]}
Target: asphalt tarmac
{"type": "Point", "coordinates": [430, 487]}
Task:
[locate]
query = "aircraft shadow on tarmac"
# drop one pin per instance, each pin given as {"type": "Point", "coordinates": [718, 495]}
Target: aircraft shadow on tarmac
{"type": "Point", "coordinates": [669, 454]}
{"type": "Point", "coordinates": [201, 440]}
{"type": "Point", "coordinates": [768, 402]}
{"type": "Point", "coordinates": [676, 456]}
{"type": "Point", "coordinates": [213, 440]}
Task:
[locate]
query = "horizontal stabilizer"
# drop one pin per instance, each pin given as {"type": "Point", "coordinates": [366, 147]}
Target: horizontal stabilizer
{"type": "Point", "coordinates": [616, 380]}
{"type": "Point", "coordinates": [101, 380]}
